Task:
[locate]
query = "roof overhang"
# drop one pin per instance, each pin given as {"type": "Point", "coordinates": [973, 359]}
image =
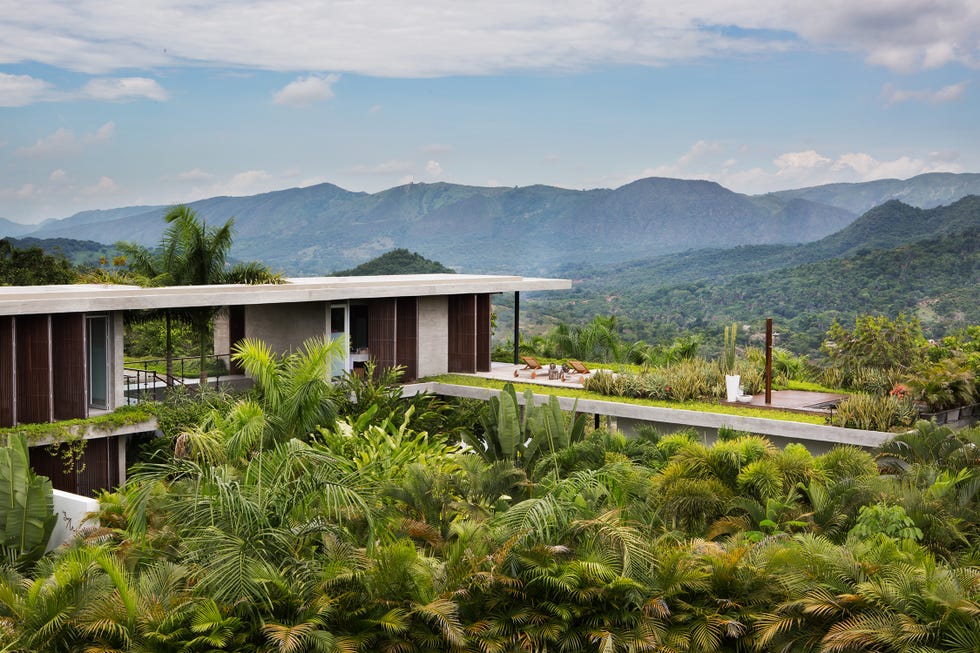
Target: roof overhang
{"type": "Point", "coordinates": [83, 298]}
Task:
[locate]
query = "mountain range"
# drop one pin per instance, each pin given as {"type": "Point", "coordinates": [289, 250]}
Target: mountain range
{"type": "Point", "coordinates": [894, 258]}
{"type": "Point", "coordinates": [530, 230]}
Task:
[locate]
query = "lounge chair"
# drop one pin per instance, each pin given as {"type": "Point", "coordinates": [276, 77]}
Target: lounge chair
{"type": "Point", "coordinates": [531, 363]}
{"type": "Point", "coordinates": [579, 367]}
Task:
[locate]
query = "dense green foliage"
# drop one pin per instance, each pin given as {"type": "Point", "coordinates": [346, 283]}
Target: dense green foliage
{"type": "Point", "coordinates": [377, 531]}
{"type": "Point", "coordinates": [26, 505]}
{"type": "Point", "coordinates": [934, 280]}
{"type": "Point", "coordinates": [32, 267]}
{"type": "Point", "coordinates": [80, 253]}
{"type": "Point", "coordinates": [397, 261]}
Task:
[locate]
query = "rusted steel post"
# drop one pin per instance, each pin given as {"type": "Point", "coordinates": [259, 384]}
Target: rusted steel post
{"type": "Point", "coordinates": [768, 360]}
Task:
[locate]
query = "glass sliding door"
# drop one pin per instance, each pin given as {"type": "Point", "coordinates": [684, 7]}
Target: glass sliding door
{"type": "Point", "coordinates": [98, 361]}
{"type": "Point", "coordinates": [339, 328]}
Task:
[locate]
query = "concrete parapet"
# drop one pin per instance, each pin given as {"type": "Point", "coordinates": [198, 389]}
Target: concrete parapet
{"type": "Point", "coordinates": [817, 438]}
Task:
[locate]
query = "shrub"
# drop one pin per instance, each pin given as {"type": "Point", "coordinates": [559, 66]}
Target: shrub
{"type": "Point", "coordinates": [692, 379]}
{"type": "Point", "coordinates": [861, 411]}
{"type": "Point", "coordinates": [605, 383]}
{"type": "Point", "coordinates": [946, 384]}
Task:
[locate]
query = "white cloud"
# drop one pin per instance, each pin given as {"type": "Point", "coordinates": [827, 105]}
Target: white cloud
{"type": "Point", "coordinates": [21, 90]}
{"type": "Point", "coordinates": [687, 165]}
{"type": "Point", "coordinates": [195, 174]}
{"type": "Point", "coordinates": [305, 91]}
{"type": "Point", "coordinates": [796, 169]}
{"type": "Point", "coordinates": [433, 169]}
{"type": "Point", "coordinates": [57, 176]}
{"type": "Point", "coordinates": [436, 148]}
{"type": "Point", "coordinates": [951, 93]}
{"type": "Point", "coordinates": [796, 160]}
{"type": "Point", "coordinates": [102, 134]}
{"type": "Point", "coordinates": [61, 141]}
{"type": "Point", "coordinates": [376, 109]}
{"type": "Point", "coordinates": [105, 186]}
{"type": "Point", "coordinates": [119, 89]}
{"type": "Point", "coordinates": [249, 182]}
{"type": "Point", "coordinates": [444, 37]}
{"type": "Point", "coordinates": [391, 167]}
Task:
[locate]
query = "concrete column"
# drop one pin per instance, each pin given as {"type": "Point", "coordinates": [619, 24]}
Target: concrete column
{"type": "Point", "coordinates": [433, 336]}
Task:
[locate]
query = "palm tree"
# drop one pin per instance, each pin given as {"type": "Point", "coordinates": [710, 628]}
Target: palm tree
{"type": "Point", "coordinates": [192, 254]}
{"type": "Point", "coordinates": [294, 390]}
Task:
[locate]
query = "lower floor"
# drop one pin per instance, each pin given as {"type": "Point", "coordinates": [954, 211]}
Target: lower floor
{"type": "Point", "coordinates": [95, 462]}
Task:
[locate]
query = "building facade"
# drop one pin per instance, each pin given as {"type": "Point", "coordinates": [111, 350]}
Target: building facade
{"type": "Point", "coordinates": [61, 347]}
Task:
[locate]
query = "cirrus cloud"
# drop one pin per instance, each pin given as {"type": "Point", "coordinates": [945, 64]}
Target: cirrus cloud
{"type": "Point", "coordinates": [946, 94]}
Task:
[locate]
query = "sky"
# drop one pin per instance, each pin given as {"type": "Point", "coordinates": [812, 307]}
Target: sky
{"type": "Point", "coordinates": [131, 102]}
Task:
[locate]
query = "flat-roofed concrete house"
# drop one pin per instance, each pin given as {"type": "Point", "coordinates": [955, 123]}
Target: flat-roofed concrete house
{"type": "Point", "coordinates": [61, 347]}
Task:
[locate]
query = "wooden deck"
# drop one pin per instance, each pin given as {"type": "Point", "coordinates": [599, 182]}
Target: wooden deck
{"type": "Point", "coordinates": [801, 401]}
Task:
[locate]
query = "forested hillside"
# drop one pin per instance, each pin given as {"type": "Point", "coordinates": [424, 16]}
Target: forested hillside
{"type": "Point", "coordinates": [397, 261]}
{"type": "Point", "coordinates": [936, 280]}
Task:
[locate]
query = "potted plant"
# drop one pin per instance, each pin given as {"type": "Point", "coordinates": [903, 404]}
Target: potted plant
{"type": "Point", "coordinates": [943, 388]}
{"type": "Point", "coordinates": [732, 380]}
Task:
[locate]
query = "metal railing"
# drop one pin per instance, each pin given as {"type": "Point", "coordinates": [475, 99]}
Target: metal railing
{"type": "Point", "coordinates": [142, 379]}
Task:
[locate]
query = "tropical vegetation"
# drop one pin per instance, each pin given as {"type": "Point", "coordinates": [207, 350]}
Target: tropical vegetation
{"type": "Point", "coordinates": [310, 516]}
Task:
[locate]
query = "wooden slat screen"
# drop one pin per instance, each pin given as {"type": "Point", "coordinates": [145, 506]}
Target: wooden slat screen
{"type": "Point", "coordinates": [8, 413]}
{"type": "Point", "coordinates": [483, 333]}
{"type": "Point", "coordinates": [381, 332]}
{"type": "Point", "coordinates": [462, 333]}
{"type": "Point", "coordinates": [45, 463]}
{"type": "Point", "coordinates": [69, 366]}
{"type": "Point", "coordinates": [407, 336]}
{"type": "Point", "coordinates": [99, 466]}
{"type": "Point", "coordinates": [33, 369]}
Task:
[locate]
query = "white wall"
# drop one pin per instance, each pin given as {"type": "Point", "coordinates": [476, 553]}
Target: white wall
{"type": "Point", "coordinates": [71, 510]}
{"type": "Point", "coordinates": [433, 335]}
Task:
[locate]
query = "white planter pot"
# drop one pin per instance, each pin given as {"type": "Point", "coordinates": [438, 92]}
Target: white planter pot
{"type": "Point", "coordinates": [732, 381]}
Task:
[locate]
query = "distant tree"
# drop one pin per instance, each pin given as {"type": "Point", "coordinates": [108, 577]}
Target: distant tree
{"type": "Point", "coordinates": [878, 342]}
{"type": "Point", "coordinates": [32, 267]}
{"type": "Point", "coordinates": [397, 261]}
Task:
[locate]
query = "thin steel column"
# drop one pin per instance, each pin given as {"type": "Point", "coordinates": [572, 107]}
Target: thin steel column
{"type": "Point", "coordinates": [517, 327]}
{"type": "Point", "coordinates": [768, 360]}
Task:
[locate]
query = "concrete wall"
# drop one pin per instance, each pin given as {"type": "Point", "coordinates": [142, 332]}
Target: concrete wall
{"type": "Point", "coordinates": [117, 387]}
{"type": "Point", "coordinates": [433, 336]}
{"type": "Point", "coordinates": [71, 510]}
{"type": "Point", "coordinates": [284, 327]}
{"type": "Point", "coordinates": [222, 332]}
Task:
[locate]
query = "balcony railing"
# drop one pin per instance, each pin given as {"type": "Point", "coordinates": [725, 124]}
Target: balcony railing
{"type": "Point", "coordinates": [147, 379]}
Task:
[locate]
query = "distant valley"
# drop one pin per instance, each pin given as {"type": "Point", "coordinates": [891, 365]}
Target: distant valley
{"type": "Point", "coordinates": [530, 230]}
{"type": "Point", "coordinates": [667, 256]}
